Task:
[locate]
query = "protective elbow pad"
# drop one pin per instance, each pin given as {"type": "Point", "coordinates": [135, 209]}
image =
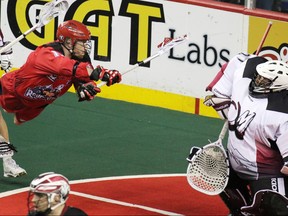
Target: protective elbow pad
{"type": "Point", "coordinates": [221, 105]}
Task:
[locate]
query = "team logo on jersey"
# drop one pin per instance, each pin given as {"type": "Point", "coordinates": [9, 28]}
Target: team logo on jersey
{"type": "Point", "coordinates": [43, 92]}
{"type": "Point", "coordinates": [241, 121]}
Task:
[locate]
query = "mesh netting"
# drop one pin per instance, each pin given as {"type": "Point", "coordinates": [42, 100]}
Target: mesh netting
{"type": "Point", "coordinates": [208, 171]}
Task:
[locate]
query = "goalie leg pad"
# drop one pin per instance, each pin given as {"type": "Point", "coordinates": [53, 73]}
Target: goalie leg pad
{"type": "Point", "coordinates": [234, 200]}
{"type": "Point", "coordinates": [267, 202]}
{"type": "Point", "coordinates": [269, 196]}
{"type": "Point", "coordinates": [236, 194]}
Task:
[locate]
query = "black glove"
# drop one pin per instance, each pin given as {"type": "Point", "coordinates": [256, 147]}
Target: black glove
{"type": "Point", "coordinates": [109, 76]}
{"type": "Point", "coordinates": [193, 151]}
{"type": "Point", "coordinates": [87, 91]}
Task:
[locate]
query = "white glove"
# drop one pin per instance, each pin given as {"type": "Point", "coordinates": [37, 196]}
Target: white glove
{"type": "Point", "coordinates": [6, 59]}
{"type": "Point", "coordinates": [221, 105]}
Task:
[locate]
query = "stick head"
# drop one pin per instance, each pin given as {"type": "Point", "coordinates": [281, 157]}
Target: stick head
{"type": "Point", "coordinates": [169, 43]}
{"type": "Point", "coordinates": [208, 170]}
{"type": "Point", "coordinates": [51, 10]}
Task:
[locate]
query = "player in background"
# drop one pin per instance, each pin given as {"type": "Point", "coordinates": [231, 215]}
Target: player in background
{"type": "Point", "coordinates": [48, 196]}
{"type": "Point", "coordinates": [49, 72]}
{"type": "Point", "coordinates": [10, 167]}
{"type": "Point", "coordinates": [251, 93]}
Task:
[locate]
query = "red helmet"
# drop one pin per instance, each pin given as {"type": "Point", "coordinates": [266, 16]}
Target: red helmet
{"type": "Point", "coordinates": [74, 30]}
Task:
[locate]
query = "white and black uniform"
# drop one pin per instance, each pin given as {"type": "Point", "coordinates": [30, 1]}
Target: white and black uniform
{"type": "Point", "coordinates": [258, 127]}
{"type": "Point", "coordinates": [257, 141]}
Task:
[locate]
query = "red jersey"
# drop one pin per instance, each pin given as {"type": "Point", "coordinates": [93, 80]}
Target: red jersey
{"type": "Point", "coordinates": [46, 75]}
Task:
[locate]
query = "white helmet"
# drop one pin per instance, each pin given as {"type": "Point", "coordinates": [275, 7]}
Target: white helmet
{"type": "Point", "coordinates": [276, 74]}
{"type": "Point", "coordinates": [50, 184]}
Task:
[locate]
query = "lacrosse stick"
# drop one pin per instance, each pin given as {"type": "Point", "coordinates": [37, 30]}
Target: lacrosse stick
{"type": "Point", "coordinates": [264, 37]}
{"type": "Point", "coordinates": [49, 11]}
{"type": "Point", "coordinates": [208, 170]}
{"type": "Point", "coordinates": [164, 46]}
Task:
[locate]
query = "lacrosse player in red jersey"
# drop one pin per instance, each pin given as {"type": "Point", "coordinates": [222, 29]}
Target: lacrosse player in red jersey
{"type": "Point", "coordinates": [48, 195]}
{"type": "Point", "coordinates": [251, 93]}
{"type": "Point", "coordinates": [50, 71]}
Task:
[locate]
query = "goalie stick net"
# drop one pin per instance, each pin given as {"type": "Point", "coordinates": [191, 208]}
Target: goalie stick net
{"type": "Point", "coordinates": [208, 171]}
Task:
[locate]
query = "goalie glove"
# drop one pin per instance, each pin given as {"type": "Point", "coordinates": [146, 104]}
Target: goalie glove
{"type": "Point", "coordinates": [6, 58]}
{"type": "Point", "coordinates": [87, 91]}
{"type": "Point", "coordinates": [221, 105]}
{"type": "Point", "coordinates": [109, 76]}
{"type": "Point", "coordinates": [193, 151]}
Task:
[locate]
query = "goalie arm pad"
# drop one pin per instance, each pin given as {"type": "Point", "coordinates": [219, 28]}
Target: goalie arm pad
{"type": "Point", "coordinates": [221, 105]}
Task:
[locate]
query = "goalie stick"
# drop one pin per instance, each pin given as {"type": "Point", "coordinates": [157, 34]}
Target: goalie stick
{"type": "Point", "coordinates": [49, 11]}
{"type": "Point", "coordinates": [208, 170]}
{"type": "Point", "coordinates": [264, 37]}
{"type": "Point", "coordinates": [164, 47]}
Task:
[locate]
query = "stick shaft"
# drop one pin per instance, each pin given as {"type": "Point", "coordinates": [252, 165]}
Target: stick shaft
{"type": "Point", "coordinates": [223, 130]}
{"type": "Point", "coordinates": [12, 43]}
{"type": "Point", "coordinates": [150, 58]}
{"type": "Point", "coordinates": [42, 21]}
{"type": "Point", "coordinates": [142, 63]}
{"type": "Point", "coordinates": [264, 37]}
{"type": "Point", "coordinates": [134, 67]}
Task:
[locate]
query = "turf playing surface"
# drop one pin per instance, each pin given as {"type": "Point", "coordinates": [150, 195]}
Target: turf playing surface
{"type": "Point", "coordinates": [130, 195]}
{"type": "Point", "coordinates": [106, 138]}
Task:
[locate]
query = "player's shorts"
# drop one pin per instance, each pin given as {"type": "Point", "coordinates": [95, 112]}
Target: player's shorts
{"type": "Point", "coordinates": [12, 104]}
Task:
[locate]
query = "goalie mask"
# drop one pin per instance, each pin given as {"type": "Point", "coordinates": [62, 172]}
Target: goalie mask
{"type": "Point", "coordinates": [271, 76]}
{"type": "Point", "coordinates": [47, 192]}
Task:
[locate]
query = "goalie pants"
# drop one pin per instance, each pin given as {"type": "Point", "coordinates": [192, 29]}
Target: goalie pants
{"type": "Point", "coordinates": [239, 192]}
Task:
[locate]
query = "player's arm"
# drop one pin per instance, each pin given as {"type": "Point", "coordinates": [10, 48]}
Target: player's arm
{"type": "Point", "coordinates": [221, 85]}
{"type": "Point", "coordinates": [86, 71]}
{"type": "Point", "coordinates": [54, 62]}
